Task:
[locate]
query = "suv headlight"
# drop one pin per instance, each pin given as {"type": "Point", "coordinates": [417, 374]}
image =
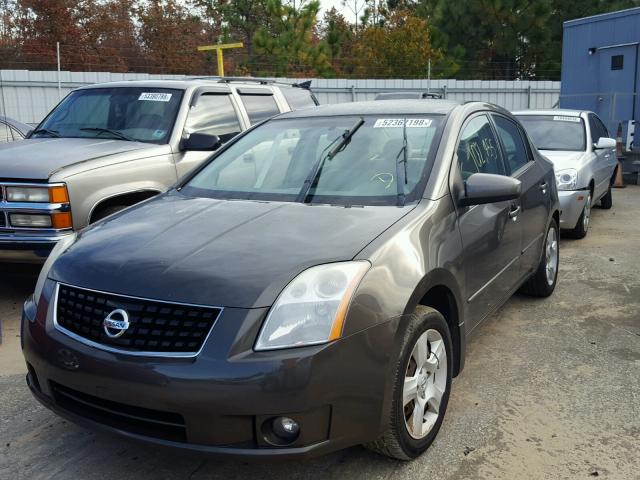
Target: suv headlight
{"type": "Point", "coordinates": [59, 249]}
{"type": "Point", "coordinates": [44, 194]}
{"type": "Point", "coordinates": [312, 308]}
{"type": "Point", "coordinates": [567, 179]}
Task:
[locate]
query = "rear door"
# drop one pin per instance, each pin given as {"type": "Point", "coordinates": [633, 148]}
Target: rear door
{"type": "Point", "coordinates": [536, 191]}
{"type": "Point", "coordinates": [491, 233]}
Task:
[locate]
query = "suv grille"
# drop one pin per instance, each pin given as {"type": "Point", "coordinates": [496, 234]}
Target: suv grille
{"type": "Point", "coordinates": [154, 327]}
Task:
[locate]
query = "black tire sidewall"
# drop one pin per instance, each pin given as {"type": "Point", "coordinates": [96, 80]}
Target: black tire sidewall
{"type": "Point", "coordinates": [422, 322]}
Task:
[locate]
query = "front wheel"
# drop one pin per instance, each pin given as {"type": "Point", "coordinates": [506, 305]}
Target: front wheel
{"type": "Point", "coordinates": [543, 282]}
{"type": "Point", "coordinates": [581, 228]}
{"type": "Point", "coordinates": [421, 386]}
{"type": "Point", "coordinates": [606, 202]}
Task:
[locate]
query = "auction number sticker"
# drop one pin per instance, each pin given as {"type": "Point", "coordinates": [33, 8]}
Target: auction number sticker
{"type": "Point", "coordinates": [155, 97]}
{"type": "Point", "coordinates": [399, 122]}
{"type": "Point", "coordinates": [561, 118]}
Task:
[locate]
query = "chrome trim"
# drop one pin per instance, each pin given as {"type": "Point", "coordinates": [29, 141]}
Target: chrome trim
{"type": "Point", "coordinates": [14, 239]}
{"type": "Point", "coordinates": [530, 244]}
{"type": "Point", "coordinates": [107, 348]}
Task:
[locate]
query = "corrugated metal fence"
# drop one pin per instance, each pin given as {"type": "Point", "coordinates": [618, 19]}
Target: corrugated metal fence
{"type": "Point", "coordinates": [29, 95]}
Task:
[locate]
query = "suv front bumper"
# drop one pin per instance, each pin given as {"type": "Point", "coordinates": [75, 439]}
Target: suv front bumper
{"type": "Point", "coordinates": [21, 248]}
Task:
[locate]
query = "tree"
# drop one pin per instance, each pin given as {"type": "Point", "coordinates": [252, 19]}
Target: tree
{"type": "Point", "coordinates": [336, 33]}
{"type": "Point", "coordinates": [400, 48]}
{"type": "Point", "coordinates": [289, 46]}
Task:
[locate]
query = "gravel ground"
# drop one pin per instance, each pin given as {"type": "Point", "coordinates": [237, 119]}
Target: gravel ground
{"type": "Point", "coordinates": [551, 389]}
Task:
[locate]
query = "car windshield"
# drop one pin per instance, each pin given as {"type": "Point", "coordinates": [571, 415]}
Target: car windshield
{"type": "Point", "coordinates": [139, 114]}
{"type": "Point", "coordinates": [555, 132]}
{"type": "Point", "coordinates": [347, 160]}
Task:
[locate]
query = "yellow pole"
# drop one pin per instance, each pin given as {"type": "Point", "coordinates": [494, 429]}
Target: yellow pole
{"type": "Point", "coordinates": [219, 48]}
{"type": "Point", "coordinates": [220, 62]}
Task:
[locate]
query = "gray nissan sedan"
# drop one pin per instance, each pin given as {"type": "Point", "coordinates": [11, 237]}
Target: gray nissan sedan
{"type": "Point", "coordinates": [310, 287]}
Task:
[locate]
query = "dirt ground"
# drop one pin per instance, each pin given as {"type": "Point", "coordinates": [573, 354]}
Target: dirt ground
{"type": "Point", "coordinates": [551, 390]}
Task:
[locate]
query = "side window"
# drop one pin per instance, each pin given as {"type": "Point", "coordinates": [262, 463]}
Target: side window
{"type": "Point", "coordinates": [478, 150]}
{"type": "Point", "coordinates": [298, 98]}
{"type": "Point", "coordinates": [594, 127]}
{"type": "Point", "coordinates": [603, 129]}
{"type": "Point", "coordinates": [213, 114]}
{"type": "Point", "coordinates": [513, 142]}
{"type": "Point", "coordinates": [259, 107]}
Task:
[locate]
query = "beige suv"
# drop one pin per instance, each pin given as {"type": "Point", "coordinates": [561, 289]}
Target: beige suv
{"type": "Point", "coordinates": [108, 146]}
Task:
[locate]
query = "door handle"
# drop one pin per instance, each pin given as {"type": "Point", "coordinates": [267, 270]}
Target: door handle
{"type": "Point", "coordinates": [514, 212]}
{"type": "Point", "coordinates": [543, 187]}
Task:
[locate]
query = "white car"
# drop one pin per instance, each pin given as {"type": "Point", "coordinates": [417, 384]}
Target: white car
{"type": "Point", "coordinates": [584, 159]}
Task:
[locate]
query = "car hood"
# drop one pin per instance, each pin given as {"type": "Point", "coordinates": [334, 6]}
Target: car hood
{"type": "Point", "coordinates": [206, 251]}
{"type": "Point", "coordinates": [39, 158]}
{"type": "Point", "coordinates": [562, 159]}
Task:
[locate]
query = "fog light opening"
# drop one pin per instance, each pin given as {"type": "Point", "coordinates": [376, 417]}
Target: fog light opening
{"type": "Point", "coordinates": [280, 431]}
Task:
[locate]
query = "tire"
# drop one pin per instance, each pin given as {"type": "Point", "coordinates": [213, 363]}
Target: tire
{"type": "Point", "coordinates": [606, 202]}
{"type": "Point", "coordinates": [397, 441]}
{"type": "Point", "coordinates": [582, 227]}
{"type": "Point", "coordinates": [106, 211]}
{"type": "Point", "coordinates": [541, 284]}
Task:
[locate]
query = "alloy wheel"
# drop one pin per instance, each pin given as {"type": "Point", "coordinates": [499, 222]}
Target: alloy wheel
{"type": "Point", "coordinates": [551, 255]}
{"type": "Point", "coordinates": [425, 383]}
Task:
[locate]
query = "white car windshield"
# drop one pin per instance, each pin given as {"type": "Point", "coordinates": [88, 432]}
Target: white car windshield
{"type": "Point", "coordinates": [139, 114]}
{"type": "Point", "coordinates": [353, 160]}
{"type": "Point", "coordinates": [555, 132]}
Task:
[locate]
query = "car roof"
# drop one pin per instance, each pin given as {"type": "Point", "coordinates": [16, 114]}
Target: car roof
{"type": "Point", "coordinates": [556, 111]}
{"type": "Point", "coordinates": [184, 84]}
{"type": "Point", "coordinates": [399, 107]}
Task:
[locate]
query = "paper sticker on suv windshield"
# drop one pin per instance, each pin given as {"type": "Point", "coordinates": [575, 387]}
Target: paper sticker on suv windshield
{"type": "Point", "coordinates": [155, 97]}
{"type": "Point", "coordinates": [561, 118]}
{"type": "Point", "coordinates": [399, 122]}
{"type": "Point", "coordinates": [159, 133]}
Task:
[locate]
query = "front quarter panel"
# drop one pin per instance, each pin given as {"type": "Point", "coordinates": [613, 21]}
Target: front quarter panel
{"type": "Point", "coordinates": [422, 251]}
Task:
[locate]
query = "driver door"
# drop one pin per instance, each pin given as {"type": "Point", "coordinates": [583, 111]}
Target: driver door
{"type": "Point", "coordinates": [213, 113]}
{"type": "Point", "coordinates": [491, 233]}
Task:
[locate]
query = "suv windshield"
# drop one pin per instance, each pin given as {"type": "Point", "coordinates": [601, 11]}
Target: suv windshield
{"type": "Point", "coordinates": [555, 132]}
{"type": "Point", "coordinates": [126, 113]}
{"type": "Point", "coordinates": [339, 160]}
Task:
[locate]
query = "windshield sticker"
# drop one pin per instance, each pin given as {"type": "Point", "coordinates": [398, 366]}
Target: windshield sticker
{"type": "Point", "coordinates": [399, 123]}
{"type": "Point", "coordinates": [155, 97]}
{"type": "Point", "coordinates": [159, 133]}
{"type": "Point", "coordinates": [560, 118]}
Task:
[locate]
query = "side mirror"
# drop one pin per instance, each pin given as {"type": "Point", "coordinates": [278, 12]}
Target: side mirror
{"type": "Point", "coordinates": [202, 142]}
{"type": "Point", "coordinates": [604, 142]}
{"type": "Point", "coordinates": [483, 188]}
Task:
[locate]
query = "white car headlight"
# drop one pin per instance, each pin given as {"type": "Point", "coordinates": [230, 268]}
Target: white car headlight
{"type": "Point", "coordinates": [312, 308]}
{"type": "Point", "coordinates": [567, 179]}
{"type": "Point", "coordinates": [61, 246]}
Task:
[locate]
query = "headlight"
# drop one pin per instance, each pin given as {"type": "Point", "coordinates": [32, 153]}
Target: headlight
{"type": "Point", "coordinates": [567, 179]}
{"type": "Point", "coordinates": [311, 309]}
{"type": "Point", "coordinates": [61, 246]}
{"type": "Point", "coordinates": [45, 194]}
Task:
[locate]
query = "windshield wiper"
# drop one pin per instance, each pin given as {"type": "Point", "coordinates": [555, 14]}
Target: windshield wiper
{"type": "Point", "coordinates": [345, 138]}
{"type": "Point", "coordinates": [115, 133]}
{"type": "Point", "coordinates": [405, 157]}
{"type": "Point", "coordinates": [47, 131]}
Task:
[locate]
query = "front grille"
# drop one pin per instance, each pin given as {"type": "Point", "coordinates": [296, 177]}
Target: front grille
{"type": "Point", "coordinates": [154, 326]}
{"type": "Point", "coordinates": [142, 421]}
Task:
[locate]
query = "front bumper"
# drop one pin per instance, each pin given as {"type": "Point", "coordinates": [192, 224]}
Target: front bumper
{"type": "Point", "coordinates": [220, 401]}
{"type": "Point", "coordinates": [21, 248]}
{"type": "Point", "coordinates": [571, 203]}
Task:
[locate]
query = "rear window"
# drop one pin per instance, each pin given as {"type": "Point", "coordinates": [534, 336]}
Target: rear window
{"type": "Point", "coordinates": [259, 106]}
{"type": "Point", "coordinates": [298, 98]}
{"type": "Point", "coordinates": [555, 132]}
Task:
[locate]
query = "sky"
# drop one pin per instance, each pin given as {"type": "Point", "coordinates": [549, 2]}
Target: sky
{"type": "Point", "coordinates": [327, 4]}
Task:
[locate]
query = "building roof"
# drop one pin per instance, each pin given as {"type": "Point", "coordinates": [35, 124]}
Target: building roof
{"type": "Point", "coordinates": [602, 16]}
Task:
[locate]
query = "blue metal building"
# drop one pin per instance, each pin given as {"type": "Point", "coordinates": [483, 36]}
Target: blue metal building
{"type": "Point", "coordinates": [600, 66]}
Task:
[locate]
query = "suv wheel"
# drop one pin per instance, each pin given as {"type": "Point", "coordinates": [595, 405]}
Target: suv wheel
{"type": "Point", "coordinates": [543, 282]}
{"type": "Point", "coordinates": [421, 386]}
